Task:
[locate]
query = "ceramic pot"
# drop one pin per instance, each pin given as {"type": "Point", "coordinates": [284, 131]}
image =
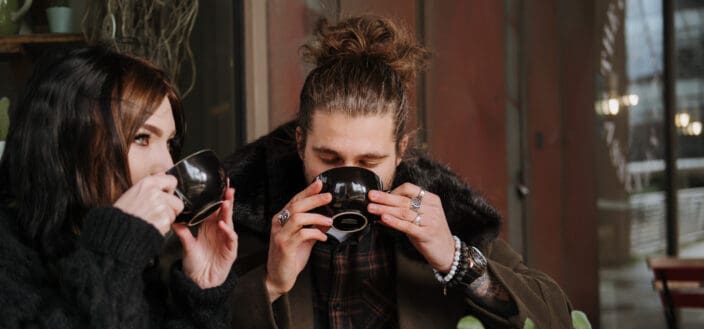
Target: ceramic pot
{"type": "Point", "coordinates": [60, 19]}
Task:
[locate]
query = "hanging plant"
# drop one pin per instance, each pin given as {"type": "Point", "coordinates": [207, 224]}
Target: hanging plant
{"type": "Point", "coordinates": [158, 30]}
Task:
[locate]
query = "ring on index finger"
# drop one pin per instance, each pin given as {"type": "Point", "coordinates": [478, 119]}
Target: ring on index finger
{"type": "Point", "coordinates": [284, 216]}
{"type": "Point", "coordinates": [417, 220]}
{"type": "Point", "coordinates": [417, 200]}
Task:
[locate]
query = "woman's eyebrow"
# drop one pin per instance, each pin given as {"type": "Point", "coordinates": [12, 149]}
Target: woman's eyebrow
{"type": "Point", "coordinates": [153, 129]}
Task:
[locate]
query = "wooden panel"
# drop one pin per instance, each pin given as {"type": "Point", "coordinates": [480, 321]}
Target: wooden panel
{"type": "Point", "coordinates": [465, 93]}
{"type": "Point", "coordinates": [404, 13]}
{"type": "Point", "coordinates": [290, 22]}
{"type": "Point", "coordinates": [579, 214]}
{"type": "Point", "coordinates": [545, 140]}
{"type": "Point", "coordinates": [401, 11]}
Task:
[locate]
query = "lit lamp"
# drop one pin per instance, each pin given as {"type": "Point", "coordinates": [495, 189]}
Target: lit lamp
{"type": "Point", "coordinates": [612, 106]}
{"type": "Point", "coordinates": [695, 128]}
{"type": "Point", "coordinates": [681, 120]}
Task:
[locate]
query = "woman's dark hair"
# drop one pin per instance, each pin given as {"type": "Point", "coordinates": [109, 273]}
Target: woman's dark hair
{"type": "Point", "coordinates": [68, 139]}
{"type": "Point", "coordinates": [364, 65]}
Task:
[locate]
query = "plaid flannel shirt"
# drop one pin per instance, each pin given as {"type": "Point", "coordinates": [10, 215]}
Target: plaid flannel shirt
{"type": "Point", "coordinates": [353, 285]}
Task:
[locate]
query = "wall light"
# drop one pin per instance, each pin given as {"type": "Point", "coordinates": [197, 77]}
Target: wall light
{"type": "Point", "coordinates": [681, 119]}
{"type": "Point", "coordinates": [613, 106]}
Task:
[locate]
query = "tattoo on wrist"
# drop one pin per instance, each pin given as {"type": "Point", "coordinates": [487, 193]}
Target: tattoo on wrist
{"type": "Point", "coordinates": [492, 295]}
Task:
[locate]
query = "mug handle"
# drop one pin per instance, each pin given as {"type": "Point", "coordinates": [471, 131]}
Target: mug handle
{"type": "Point", "coordinates": [19, 13]}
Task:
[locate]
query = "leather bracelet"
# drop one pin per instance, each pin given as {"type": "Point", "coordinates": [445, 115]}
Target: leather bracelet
{"type": "Point", "coordinates": [478, 265]}
{"type": "Point", "coordinates": [473, 266]}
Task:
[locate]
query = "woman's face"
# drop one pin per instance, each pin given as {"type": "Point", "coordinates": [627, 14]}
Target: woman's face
{"type": "Point", "coordinates": [336, 139]}
{"type": "Point", "coordinates": [149, 152]}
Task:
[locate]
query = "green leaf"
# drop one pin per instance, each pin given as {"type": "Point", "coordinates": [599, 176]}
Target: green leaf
{"type": "Point", "coordinates": [580, 321]}
{"type": "Point", "coordinates": [529, 324]}
{"type": "Point", "coordinates": [469, 322]}
{"type": "Point", "coordinates": [4, 117]}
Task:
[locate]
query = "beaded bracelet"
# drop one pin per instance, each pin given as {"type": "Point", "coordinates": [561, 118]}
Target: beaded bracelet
{"type": "Point", "coordinates": [455, 263]}
{"type": "Point", "coordinates": [463, 269]}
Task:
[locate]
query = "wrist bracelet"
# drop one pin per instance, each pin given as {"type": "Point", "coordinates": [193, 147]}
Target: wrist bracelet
{"type": "Point", "coordinates": [463, 268]}
{"type": "Point", "coordinates": [475, 264]}
{"type": "Point", "coordinates": [455, 263]}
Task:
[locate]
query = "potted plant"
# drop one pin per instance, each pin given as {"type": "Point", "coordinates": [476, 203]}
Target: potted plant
{"type": "Point", "coordinates": [59, 15]}
{"type": "Point", "coordinates": [157, 30]}
{"type": "Point", "coordinates": [4, 121]}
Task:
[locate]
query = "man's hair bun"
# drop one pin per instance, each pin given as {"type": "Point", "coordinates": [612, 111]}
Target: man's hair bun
{"type": "Point", "coordinates": [367, 38]}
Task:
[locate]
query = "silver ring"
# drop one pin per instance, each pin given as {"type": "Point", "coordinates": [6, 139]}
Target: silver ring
{"type": "Point", "coordinates": [417, 200]}
{"type": "Point", "coordinates": [284, 216]}
{"type": "Point", "coordinates": [417, 220]}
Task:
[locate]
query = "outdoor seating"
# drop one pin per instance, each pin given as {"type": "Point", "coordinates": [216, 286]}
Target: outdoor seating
{"type": "Point", "coordinates": [680, 284]}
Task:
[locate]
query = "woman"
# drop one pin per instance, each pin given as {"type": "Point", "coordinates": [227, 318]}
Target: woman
{"type": "Point", "coordinates": [85, 204]}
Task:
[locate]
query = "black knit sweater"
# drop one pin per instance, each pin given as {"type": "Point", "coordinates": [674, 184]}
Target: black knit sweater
{"type": "Point", "coordinates": [108, 281]}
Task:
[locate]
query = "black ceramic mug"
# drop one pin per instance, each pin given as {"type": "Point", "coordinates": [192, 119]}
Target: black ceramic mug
{"type": "Point", "coordinates": [201, 186]}
{"type": "Point", "coordinates": [349, 187]}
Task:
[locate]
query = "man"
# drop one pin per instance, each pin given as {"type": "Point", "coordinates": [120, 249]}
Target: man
{"type": "Point", "coordinates": [434, 255]}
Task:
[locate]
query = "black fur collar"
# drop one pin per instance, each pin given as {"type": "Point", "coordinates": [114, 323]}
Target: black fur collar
{"type": "Point", "coordinates": [268, 172]}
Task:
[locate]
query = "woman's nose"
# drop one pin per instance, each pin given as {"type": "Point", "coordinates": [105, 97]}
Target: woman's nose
{"type": "Point", "coordinates": [163, 161]}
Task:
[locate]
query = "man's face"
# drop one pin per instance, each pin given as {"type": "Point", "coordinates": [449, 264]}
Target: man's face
{"type": "Point", "coordinates": [336, 140]}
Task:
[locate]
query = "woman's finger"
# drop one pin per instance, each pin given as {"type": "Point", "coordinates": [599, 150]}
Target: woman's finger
{"type": "Point", "coordinates": [226, 210]}
{"type": "Point", "coordinates": [174, 203]}
{"type": "Point", "coordinates": [164, 182]}
{"type": "Point", "coordinates": [185, 235]}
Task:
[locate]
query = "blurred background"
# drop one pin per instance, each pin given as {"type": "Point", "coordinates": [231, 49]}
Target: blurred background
{"type": "Point", "coordinates": [581, 121]}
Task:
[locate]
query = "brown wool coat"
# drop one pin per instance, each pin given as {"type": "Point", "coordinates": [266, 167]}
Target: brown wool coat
{"type": "Point", "coordinates": [268, 172]}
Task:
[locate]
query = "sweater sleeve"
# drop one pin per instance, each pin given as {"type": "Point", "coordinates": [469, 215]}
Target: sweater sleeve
{"type": "Point", "coordinates": [97, 285]}
{"type": "Point", "coordinates": [204, 308]}
{"type": "Point", "coordinates": [101, 283]}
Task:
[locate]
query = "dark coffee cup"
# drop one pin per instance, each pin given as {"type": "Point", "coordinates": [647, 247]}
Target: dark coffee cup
{"type": "Point", "coordinates": [349, 187]}
{"type": "Point", "coordinates": [201, 186]}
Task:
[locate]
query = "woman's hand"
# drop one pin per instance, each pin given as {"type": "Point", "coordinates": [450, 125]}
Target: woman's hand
{"type": "Point", "coordinates": [208, 258]}
{"type": "Point", "coordinates": [425, 226]}
{"type": "Point", "coordinates": [152, 199]}
{"type": "Point", "coordinates": [292, 238]}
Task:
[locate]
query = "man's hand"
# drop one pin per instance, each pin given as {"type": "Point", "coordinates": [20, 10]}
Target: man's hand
{"type": "Point", "coordinates": [292, 238]}
{"type": "Point", "coordinates": [425, 226]}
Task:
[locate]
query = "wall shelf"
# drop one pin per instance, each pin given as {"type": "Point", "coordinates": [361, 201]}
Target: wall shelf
{"type": "Point", "coordinates": [17, 44]}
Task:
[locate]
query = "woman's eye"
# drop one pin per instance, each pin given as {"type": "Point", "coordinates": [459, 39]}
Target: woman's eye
{"type": "Point", "coordinates": [142, 139]}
